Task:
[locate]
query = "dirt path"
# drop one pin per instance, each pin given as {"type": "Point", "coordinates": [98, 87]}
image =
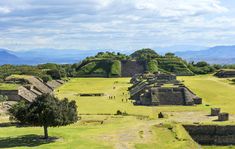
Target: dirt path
{"type": "Point", "coordinates": [127, 138]}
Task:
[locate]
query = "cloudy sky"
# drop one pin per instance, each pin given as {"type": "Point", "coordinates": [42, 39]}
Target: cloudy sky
{"type": "Point", "coordinates": [115, 24]}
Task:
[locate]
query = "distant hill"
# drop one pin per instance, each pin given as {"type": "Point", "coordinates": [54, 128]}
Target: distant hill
{"type": "Point", "coordinates": [39, 56]}
{"type": "Point", "coordinates": [47, 55]}
{"type": "Point", "coordinates": [7, 57]}
{"type": "Point", "coordinates": [218, 55]}
{"type": "Point", "coordinates": [214, 55]}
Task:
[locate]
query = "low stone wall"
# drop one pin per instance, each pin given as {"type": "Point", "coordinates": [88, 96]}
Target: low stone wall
{"type": "Point", "coordinates": [90, 94]}
{"type": "Point", "coordinates": [212, 134]}
{"type": "Point", "coordinates": [225, 74]}
{"type": "Point", "coordinates": [26, 94]}
{"type": "Point", "coordinates": [53, 84]}
{"type": "Point", "coordinates": [11, 94]}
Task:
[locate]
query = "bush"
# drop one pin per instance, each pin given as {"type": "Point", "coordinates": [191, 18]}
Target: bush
{"type": "Point", "coordinates": [116, 68]}
{"type": "Point", "coordinates": [46, 78]}
{"type": "Point", "coordinates": [144, 54]}
{"type": "Point", "coordinates": [54, 73]}
{"type": "Point", "coordinates": [152, 66]}
{"type": "Point", "coordinates": [121, 113]}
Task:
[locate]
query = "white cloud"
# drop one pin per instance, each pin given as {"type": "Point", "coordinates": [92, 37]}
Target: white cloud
{"type": "Point", "coordinates": [113, 23]}
{"type": "Point", "coordinates": [4, 10]}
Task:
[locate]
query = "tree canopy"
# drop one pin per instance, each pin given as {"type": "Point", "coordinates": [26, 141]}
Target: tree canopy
{"type": "Point", "coordinates": [144, 54]}
{"type": "Point", "coordinates": [46, 111]}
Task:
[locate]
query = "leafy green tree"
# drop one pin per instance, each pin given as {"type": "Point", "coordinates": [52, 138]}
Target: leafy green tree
{"type": "Point", "coordinates": [217, 66]}
{"type": "Point", "coordinates": [46, 111]}
{"type": "Point", "coordinates": [169, 55]}
{"type": "Point", "coordinates": [3, 99]}
{"type": "Point", "coordinates": [54, 73]}
{"type": "Point", "coordinates": [202, 64]}
{"type": "Point", "coordinates": [144, 54]}
{"type": "Point", "coordinates": [201, 68]}
{"type": "Point", "coordinates": [46, 78]}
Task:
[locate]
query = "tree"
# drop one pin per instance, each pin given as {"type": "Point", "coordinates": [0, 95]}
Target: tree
{"type": "Point", "coordinates": [54, 73]}
{"type": "Point", "coordinates": [202, 64]}
{"type": "Point", "coordinates": [3, 99]}
{"type": "Point", "coordinates": [169, 54]}
{"type": "Point", "coordinates": [144, 54]}
{"type": "Point", "coordinates": [46, 78]}
{"type": "Point", "coordinates": [46, 111]}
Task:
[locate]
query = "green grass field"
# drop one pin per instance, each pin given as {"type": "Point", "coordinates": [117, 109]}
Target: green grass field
{"type": "Point", "coordinates": [214, 91]}
{"type": "Point", "coordinates": [7, 86]}
{"type": "Point", "coordinates": [99, 128]}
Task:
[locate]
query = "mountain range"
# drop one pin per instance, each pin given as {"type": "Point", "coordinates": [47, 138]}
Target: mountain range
{"type": "Point", "coordinates": [213, 55]}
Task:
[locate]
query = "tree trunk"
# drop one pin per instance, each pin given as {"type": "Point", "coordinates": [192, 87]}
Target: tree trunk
{"type": "Point", "coordinates": [45, 132]}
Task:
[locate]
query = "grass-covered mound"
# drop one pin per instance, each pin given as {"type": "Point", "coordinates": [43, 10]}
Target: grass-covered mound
{"type": "Point", "coordinates": [110, 64]}
{"type": "Point", "coordinates": [101, 68]}
{"type": "Point", "coordinates": [152, 66]}
{"type": "Point", "coordinates": [174, 65]}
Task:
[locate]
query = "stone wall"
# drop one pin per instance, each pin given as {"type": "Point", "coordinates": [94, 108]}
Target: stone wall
{"type": "Point", "coordinates": [130, 68]}
{"type": "Point", "coordinates": [225, 74]}
{"type": "Point", "coordinates": [53, 84]}
{"type": "Point", "coordinates": [11, 94]}
{"type": "Point", "coordinates": [27, 94]}
{"type": "Point", "coordinates": [169, 96]}
{"type": "Point", "coordinates": [212, 134]}
{"type": "Point", "coordinates": [30, 91]}
{"type": "Point", "coordinates": [39, 85]}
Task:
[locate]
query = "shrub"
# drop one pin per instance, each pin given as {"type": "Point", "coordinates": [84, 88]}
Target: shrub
{"type": "Point", "coordinates": [152, 66]}
{"type": "Point", "coordinates": [116, 68]}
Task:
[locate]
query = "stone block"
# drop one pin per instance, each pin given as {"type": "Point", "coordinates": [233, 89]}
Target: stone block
{"type": "Point", "coordinates": [215, 111]}
{"type": "Point", "coordinates": [223, 117]}
{"type": "Point", "coordinates": [197, 100]}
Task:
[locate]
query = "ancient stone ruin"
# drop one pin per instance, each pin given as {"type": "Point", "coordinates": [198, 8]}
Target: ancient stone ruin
{"type": "Point", "coordinates": [30, 88]}
{"type": "Point", "coordinates": [212, 134]}
{"type": "Point", "coordinates": [225, 73]}
{"type": "Point", "coordinates": [161, 89]}
{"type": "Point", "coordinates": [130, 68]}
{"type": "Point", "coordinates": [90, 94]}
{"type": "Point", "coordinates": [223, 117]}
{"type": "Point", "coordinates": [215, 111]}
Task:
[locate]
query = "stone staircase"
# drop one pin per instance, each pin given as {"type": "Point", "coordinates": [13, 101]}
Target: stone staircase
{"type": "Point", "coordinates": [26, 94]}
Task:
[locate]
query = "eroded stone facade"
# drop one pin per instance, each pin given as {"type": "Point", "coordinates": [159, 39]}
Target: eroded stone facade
{"type": "Point", "coordinates": [161, 89]}
{"type": "Point", "coordinates": [31, 87]}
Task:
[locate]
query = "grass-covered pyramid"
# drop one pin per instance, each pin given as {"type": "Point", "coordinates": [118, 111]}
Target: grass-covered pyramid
{"type": "Point", "coordinates": [110, 64]}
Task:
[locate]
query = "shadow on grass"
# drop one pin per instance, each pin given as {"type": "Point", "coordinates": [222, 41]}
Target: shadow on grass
{"type": "Point", "coordinates": [10, 124]}
{"type": "Point", "coordinates": [30, 140]}
{"type": "Point", "coordinates": [7, 124]}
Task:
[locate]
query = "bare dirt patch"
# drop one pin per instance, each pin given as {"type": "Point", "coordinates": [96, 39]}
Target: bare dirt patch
{"type": "Point", "coordinates": [126, 138]}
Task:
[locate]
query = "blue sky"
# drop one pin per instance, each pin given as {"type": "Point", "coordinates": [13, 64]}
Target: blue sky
{"type": "Point", "coordinates": [115, 24]}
